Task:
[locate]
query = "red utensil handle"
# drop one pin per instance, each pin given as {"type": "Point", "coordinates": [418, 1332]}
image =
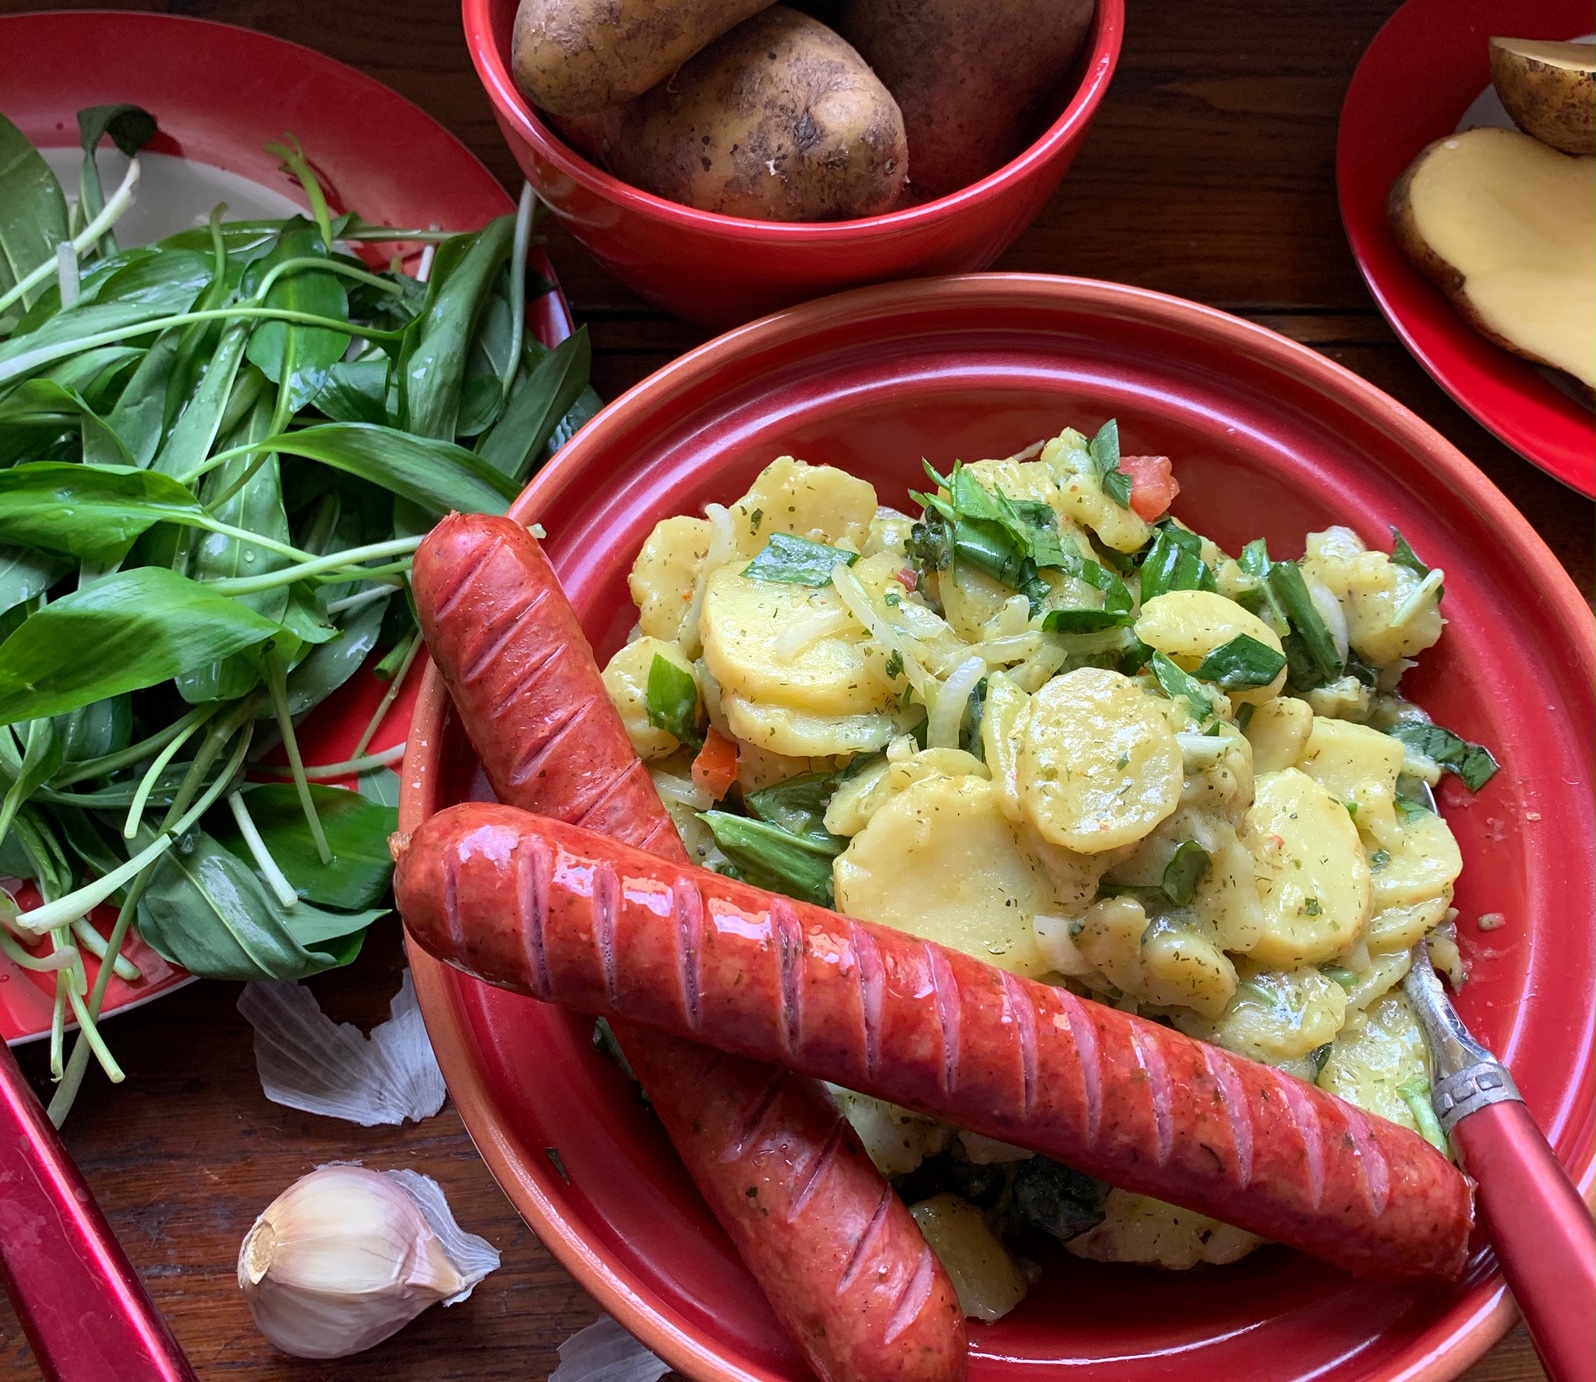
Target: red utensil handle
{"type": "Point", "coordinates": [1542, 1230]}
{"type": "Point", "coordinates": [82, 1305]}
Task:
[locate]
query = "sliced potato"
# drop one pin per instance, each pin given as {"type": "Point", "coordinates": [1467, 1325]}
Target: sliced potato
{"type": "Point", "coordinates": [1277, 1015]}
{"type": "Point", "coordinates": [1227, 897]}
{"type": "Point", "coordinates": [895, 1139]}
{"type": "Point", "coordinates": [1278, 732]}
{"type": "Point", "coordinates": [1360, 766]}
{"type": "Point", "coordinates": [1081, 497]}
{"type": "Point", "coordinates": [664, 574]}
{"type": "Point", "coordinates": [1507, 229]}
{"type": "Point", "coordinates": [753, 647]}
{"type": "Point", "coordinates": [1549, 89]}
{"type": "Point", "coordinates": [1424, 864]}
{"type": "Point", "coordinates": [939, 860]}
{"type": "Point", "coordinates": [1140, 1229]}
{"type": "Point", "coordinates": [1389, 615]}
{"type": "Point", "coordinates": [800, 734]}
{"type": "Point", "coordinates": [1187, 625]}
{"type": "Point", "coordinates": [818, 502]}
{"type": "Point", "coordinates": [1098, 765]}
{"type": "Point", "coordinates": [986, 1279]}
{"type": "Point", "coordinates": [861, 796]}
{"type": "Point", "coordinates": [626, 680]}
{"type": "Point", "coordinates": [1312, 875]}
{"type": "Point", "coordinates": [1000, 740]}
{"type": "Point", "coordinates": [1397, 929]}
{"type": "Point", "coordinates": [1381, 1050]}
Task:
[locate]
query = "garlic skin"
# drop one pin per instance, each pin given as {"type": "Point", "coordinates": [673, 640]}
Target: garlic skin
{"type": "Point", "coordinates": [339, 1261]}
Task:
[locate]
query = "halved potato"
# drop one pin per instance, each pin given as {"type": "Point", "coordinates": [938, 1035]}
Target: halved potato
{"type": "Point", "coordinates": [1507, 228]}
{"type": "Point", "coordinates": [1549, 89]}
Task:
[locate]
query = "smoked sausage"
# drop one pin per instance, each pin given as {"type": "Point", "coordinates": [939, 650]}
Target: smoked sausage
{"type": "Point", "coordinates": [573, 918]}
{"type": "Point", "coordinates": [838, 1255]}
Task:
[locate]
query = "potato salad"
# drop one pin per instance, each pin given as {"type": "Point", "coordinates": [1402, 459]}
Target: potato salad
{"type": "Point", "coordinates": [1047, 723]}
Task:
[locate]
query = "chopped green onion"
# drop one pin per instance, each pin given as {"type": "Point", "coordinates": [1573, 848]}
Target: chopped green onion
{"type": "Point", "coordinates": [1241, 664]}
{"type": "Point", "coordinates": [1347, 978]}
{"type": "Point", "coordinates": [1416, 1094]}
{"type": "Point", "coordinates": [1310, 650]}
{"type": "Point", "coordinates": [791, 560]}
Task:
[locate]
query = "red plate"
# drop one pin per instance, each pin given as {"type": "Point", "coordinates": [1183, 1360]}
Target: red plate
{"type": "Point", "coordinates": [374, 151]}
{"type": "Point", "coordinates": [1269, 439]}
{"type": "Point", "coordinates": [1422, 72]}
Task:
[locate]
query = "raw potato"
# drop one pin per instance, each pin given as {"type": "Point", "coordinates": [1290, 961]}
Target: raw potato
{"type": "Point", "coordinates": [1137, 1228]}
{"type": "Point", "coordinates": [575, 57]}
{"type": "Point", "coordinates": [1549, 89]}
{"type": "Point", "coordinates": [1098, 765]}
{"type": "Point", "coordinates": [626, 679]}
{"type": "Point", "coordinates": [1507, 228]}
{"type": "Point", "coordinates": [939, 860]}
{"type": "Point", "coordinates": [665, 572]}
{"type": "Point", "coordinates": [778, 120]}
{"type": "Point", "coordinates": [1187, 625]}
{"type": "Point", "coordinates": [986, 1279]}
{"type": "Point", "coordinates": [967, 73]}
{"type": "Point", "coordinates": [1312, 873]}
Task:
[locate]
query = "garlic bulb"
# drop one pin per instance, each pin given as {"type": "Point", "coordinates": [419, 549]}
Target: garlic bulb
{"type": "Point", "coordinates": [345, 1257]}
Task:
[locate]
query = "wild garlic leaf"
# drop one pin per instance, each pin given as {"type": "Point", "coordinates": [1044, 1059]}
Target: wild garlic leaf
{"type": "Point", "coordinates": [1174, 562]}
{"type": "Point", "coordinates": [1241, 664]}
{"type": "Point", "coordinates": [788, 559]}
{"type": "Point", "coordinates": [1104, 451]}
{"type": "Point", "coordinates": [294, 357]}
{"type": "Point", "coordinates": [1474, 763]}
{"type": "Point", "coordinates": [126, 631]}
{"type": "Point", "coordinates": [90, 512]}
{"type": "Point", "coordinates": [1187, 868]}
{"type": "Point", "coordinates": [770, 857]}
{"type": "Point", "coordinates": [357, 832]}
{"type": "Point", "coordinates": [33, 213]}
{"type": "Point", "coordinates": [673, 700]}
{"type": "Point", "coordinates": [1179, 685]}
{"type": "Point", "coordinates": [205, 909]}
{"type": "Point", "coordinates": [537, 406]}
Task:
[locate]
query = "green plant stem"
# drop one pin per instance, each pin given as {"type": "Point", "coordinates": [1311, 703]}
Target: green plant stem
{"type": "Point", "coordinates": [134, 753]}
{"type": "Point", "coordinates": [135, 810]}
{"type": "Point", "coordinates": [262, 856]}
{"type": "Point", "coordinates": [90, 1033]}
{"type": "Point", "coordinates": [91, 940]}
{"type": "Point", "coordinates": [13, 950]}
{"type": "Point", "coordinates": [109, 215]}
{"type": "Point", "coordinates": [388, 696]}
{"type": "Point", "coordinates": [350, 767]}
{"type": "Point", "coordinates": [277, 685]}
{"type": "Point", "coordinates": [324, 265]}
{"type": "Point", "coordinates": [334, 562]}
{"type": "Point", "coordinates": [31, 360]}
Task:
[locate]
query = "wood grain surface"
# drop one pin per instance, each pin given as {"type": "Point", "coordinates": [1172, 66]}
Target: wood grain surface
{"type": "Point", "coordinates": [1209, 173]}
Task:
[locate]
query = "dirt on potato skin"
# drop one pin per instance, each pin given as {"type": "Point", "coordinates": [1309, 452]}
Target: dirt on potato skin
{"type": "Point", "coordinates": [778, 120]}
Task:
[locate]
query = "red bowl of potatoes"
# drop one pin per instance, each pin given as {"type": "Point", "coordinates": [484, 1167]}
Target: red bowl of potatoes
{"type": "Point", "coordinates": [723, 269]}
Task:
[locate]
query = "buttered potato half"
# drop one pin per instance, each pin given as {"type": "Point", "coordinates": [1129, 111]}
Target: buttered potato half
{"type": "Point", "coordinates": [1506, 227]}
{"type": "Point", "coordinates": [1042, 721]}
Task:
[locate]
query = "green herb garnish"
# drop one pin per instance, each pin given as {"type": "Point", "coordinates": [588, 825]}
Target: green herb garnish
{"type": "Point", "coordinates": [1186, 869]}
{"type": "Point", "coordinates": [1104, 451]}
{"type": "Point", "coordinates": [791, 560]}
{"type": "Point", "coordinates": [769, 856]}
{"type": "Point", "coordinates": [673, 700]}
{"type": "Point", "coordinates": [1174, 562]}
{"type": "Point", "coordinates": [1473, 763]}
{"type": "Point", "coordinates": [1241, 664]}
{"type": "Point", "coordinates": [1179, 685]}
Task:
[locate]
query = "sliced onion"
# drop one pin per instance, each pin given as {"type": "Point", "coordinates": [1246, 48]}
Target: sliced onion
{"type": "Point", "coordinates": [802, 632]}
{"type": "Point", "coordinates": [893, 640]}
{"type": "Point", "coordinates": [946, 716]}
{"type": "Point", "coordinates": [682, 790]}
{"type": "Point", "coordinates": [1329, 608]}
{"type": "Point", "coordinates": [722, 546]}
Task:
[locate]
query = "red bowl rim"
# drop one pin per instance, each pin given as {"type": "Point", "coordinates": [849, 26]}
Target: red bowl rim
{"type": "Point", "coordinates": [511, 107]}
{"type": "Point", "coordinates": [1483, 1315]}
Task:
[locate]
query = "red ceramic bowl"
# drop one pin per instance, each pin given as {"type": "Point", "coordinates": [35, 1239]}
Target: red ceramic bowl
{"type": "Point", "coordinates": [1269, 439]}
{"type": "Point", "coordinates": [1421, 73]}
{"type": "Point", "coordinates": [722, 270]}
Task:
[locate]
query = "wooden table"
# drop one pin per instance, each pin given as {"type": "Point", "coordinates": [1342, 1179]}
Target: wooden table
{"type": "Point", "coordinates": [1209, 173]}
